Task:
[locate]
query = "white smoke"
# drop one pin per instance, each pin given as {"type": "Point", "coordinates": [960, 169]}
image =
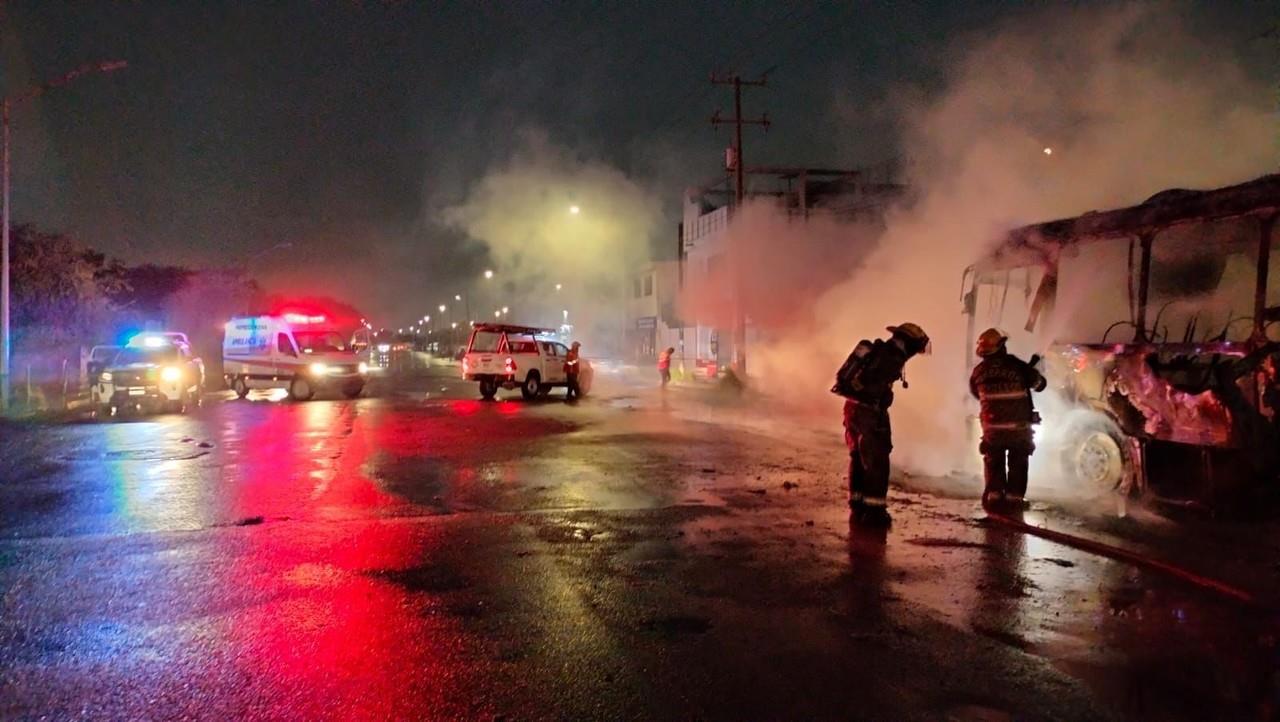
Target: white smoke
{"type": "Point", "coordinates": [1128, 102]}
{"type": "Point", "coordinates": [551, 217]}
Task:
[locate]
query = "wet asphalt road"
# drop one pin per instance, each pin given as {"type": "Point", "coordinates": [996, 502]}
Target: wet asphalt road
{"type": "Point", "coordinates": [423, 555]}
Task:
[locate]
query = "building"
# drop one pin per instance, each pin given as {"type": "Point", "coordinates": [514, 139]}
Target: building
{"type": "Point", "coordinates": [651, 323]}
{"type": "Point", "coordinates": [707, 298]}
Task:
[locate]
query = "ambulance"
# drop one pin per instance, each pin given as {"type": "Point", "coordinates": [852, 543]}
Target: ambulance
{"type": "Point", "coordinates": [301, 353]}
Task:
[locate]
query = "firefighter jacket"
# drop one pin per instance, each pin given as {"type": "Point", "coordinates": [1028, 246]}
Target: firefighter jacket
{"type": "Point", "coordinates": [664, 361]}
{"type": "Point", "coordinates": [571, 363]}
{"type": "Point", "coordinates": [868, 375]}
{"type": "Point", "coordinates": [1003, 383]}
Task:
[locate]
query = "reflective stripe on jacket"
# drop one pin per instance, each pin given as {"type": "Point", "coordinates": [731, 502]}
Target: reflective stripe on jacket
{"type": "Point", "coordinates": [1003, 383]}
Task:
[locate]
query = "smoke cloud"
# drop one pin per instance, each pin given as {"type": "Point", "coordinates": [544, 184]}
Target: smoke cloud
{"type": "Point", "coordinates": [1128, 102]}
{"type": "Point", "coordinates": [549, 216]}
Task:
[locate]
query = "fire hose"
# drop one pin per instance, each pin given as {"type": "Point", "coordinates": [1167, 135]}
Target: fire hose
{"type": "Point", "coordinates": [1125, 555]}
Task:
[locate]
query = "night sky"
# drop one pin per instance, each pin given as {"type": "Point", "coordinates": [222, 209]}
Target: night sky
{"type": "Point", "coordinates": [343, 127]}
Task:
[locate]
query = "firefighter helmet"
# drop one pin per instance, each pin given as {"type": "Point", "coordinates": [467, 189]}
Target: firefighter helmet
{"type": "Point", "coordinates": [912, 334]}
{"type": "Point", "coordinates": [991, 341]}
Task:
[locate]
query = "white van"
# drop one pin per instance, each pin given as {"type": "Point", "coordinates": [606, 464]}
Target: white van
{"type": "Point", "coordinates": [300, 353]}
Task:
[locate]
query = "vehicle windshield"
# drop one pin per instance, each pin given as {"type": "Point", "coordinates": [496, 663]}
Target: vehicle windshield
{"type": "Point", "coordinates": [485, 341]}
{"type": "Point", "coordinates": [130, 356]}
{"type": "Point", "coordinates": [319, 341]}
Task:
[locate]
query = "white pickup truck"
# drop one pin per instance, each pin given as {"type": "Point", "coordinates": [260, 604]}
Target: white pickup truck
{"type": "Point", "coordinates": [500, 355]}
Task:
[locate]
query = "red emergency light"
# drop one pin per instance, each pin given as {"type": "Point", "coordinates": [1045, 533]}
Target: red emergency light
{"type": "Point", "coordinates": [302, 318]}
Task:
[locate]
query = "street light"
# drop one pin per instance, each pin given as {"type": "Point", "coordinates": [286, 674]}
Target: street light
{"type": "Point", "coordinates": [6, 337]}
{"type": "Point", "coordinates": [557, 286]}
{"type": "Point", "coordinates": [505, 309]}
{"type": "Point", "coordinates": [497, 314]}
{"type": "Point", "coordinates": [574, 210]}
{"type": "Point", "coordinates": [488, 273]}
{"type": "Point", "coordinates": [442, 307]}
{"type": "Point", "coordinates": [457, 296]}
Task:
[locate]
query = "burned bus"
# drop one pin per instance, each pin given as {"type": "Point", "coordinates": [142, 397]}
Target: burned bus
{"type": "Point", "coordinates": [1158, 326]}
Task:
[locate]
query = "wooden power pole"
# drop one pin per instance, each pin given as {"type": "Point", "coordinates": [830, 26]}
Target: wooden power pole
{"type": "Point", "coordinates": [739, 193]}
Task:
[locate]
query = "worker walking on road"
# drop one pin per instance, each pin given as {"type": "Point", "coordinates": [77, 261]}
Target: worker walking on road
{"type": "Point", "coordinates": [664, 365]}
{"type": "Point", "coordinates": [1003, 383]}
{"type": "Point", "coordinates": [571, 373]}
{"type": "Point", "coordinates": [866, 382]}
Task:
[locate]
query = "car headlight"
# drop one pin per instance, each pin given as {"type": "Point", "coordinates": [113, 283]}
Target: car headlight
{"type": "Point", "coordinates": [319, 369]}
{"type": "Point", "coordinates": [170, 374]}
{"type": "Point", "coordinates": [384, 347]}
{"type": "Point", "coordinates": [106, 377]}
{"type": "Point", "coordinates": [363, 368]}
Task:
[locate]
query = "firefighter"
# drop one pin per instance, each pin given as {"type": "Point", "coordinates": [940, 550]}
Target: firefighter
{"type": "Point", "coordinates": [1003, 383]}
{"type": "Point", "coordinates": [571, 373]}
{"type": "Point", "coordinates": [866, 382]}
{"type": "Point", "coordinates": [664, 365]}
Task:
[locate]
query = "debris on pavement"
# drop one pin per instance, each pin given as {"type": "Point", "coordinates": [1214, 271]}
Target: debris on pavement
{"type": "Point", "coordinates": [1059, 562]}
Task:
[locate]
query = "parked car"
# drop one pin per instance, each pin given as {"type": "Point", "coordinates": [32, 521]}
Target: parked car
{"type": "Point", "coordinates": [153, 372]}
{"type": "Point", "coordinates": [524, 357]}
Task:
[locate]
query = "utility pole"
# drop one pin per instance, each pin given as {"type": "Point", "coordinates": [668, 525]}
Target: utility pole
{"type": "Point", "coordinates": [739, 193]}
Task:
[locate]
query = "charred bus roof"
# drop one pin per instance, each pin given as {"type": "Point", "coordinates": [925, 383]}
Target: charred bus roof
{"type": "Point", "coordinates": [1023, 246]}
{"type": "Point", "coordinates": [1042, 244]}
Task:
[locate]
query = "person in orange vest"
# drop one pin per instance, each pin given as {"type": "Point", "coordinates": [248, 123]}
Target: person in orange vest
{"type": "Point", "coordinates": [1003, 383]}
{"type": "Point", "coordinates": [571, 373]}
{"type": "Point", "coordinates": [664, 365]}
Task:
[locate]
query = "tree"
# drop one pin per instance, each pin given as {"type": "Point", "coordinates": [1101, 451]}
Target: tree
{"type": "Point", "coordinates": [150, 287]}
{"type": "Point", "coordinates": [61, 289]}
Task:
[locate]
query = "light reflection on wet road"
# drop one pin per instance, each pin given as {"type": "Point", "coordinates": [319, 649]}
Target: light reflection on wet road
{"type": "Point", "coordinates": [443, 558]}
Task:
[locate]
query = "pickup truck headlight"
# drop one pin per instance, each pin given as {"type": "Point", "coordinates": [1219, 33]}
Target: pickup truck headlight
{"type": "Point", "coordinates": [319, 369]}
{"type": "Point", "coordinates": [170, 374]}
{"type": "Point", "coordinates": [105, 377]}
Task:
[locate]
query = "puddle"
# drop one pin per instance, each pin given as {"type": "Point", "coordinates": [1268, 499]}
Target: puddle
{"type": "Point", "coordinates": [431, 578]}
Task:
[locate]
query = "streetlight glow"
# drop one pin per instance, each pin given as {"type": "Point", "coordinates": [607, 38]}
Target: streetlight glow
{"type": "Point", "coordinates": [488, 273]}
{"type": "Point", "coordinates": [497, 314]}
{"type": "Point", "coordinates": [557, 286]}
{"type": "Point", "coordinates": [505, 309]}
{"type": "Point", "coordinates": [457, 296]}
{"type": "Point", "coordinates": [1048, 150]}
{"type": "Point", "coordinates": [574, 210]}
{"type": "Point", "coordinates": [442, 307]}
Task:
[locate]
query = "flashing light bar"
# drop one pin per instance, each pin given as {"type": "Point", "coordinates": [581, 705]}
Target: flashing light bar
{"type": "Point", "coordinates": [303, 318]}
{"type": "Point", "coordinates": [148, 341]}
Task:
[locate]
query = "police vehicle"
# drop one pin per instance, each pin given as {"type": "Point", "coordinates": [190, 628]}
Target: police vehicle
{"type": "Point", "coordinates": [153, 372]}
